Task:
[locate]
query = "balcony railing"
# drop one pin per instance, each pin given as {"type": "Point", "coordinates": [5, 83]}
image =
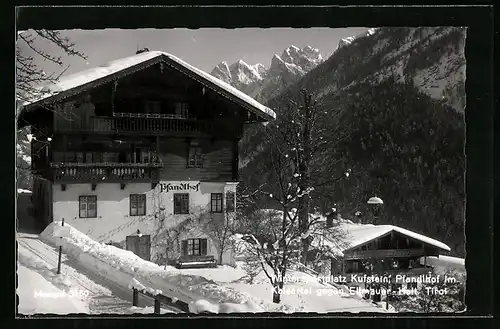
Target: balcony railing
{"type": "Point", "coordinates": [146, 124]}
{"type": "Point", "coordinates": [384, 253]}
{"type": "Point", "coordinates": [98, 172]}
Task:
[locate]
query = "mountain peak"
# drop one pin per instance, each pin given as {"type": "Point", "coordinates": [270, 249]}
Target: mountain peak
{"type": "Point", "coordinates": [257, 79]}
{"type": "Point", "coordinates": [221, 71]}
{"type": "Point", "coordinates": [347, 41]}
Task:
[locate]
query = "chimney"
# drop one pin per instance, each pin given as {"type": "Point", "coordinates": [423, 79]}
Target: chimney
{"type": "Point", "coordinates": [142, 50]}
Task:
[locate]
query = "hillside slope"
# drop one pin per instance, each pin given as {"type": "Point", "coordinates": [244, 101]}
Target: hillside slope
{"type": "Point", "coordinates": [431, 58]}
{"type": "Point", "coordinates": [400, 94]}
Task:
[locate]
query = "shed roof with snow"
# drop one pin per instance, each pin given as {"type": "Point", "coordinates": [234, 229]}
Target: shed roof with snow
{"type": "Point", "coordinates": [79, 82]}
{"type": "Point", "coordinates": [351, 235]}
{"type": "Point", "coordinates": [356, 235]}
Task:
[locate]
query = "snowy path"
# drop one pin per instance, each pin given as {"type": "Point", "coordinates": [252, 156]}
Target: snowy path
{"type": "Point", "coordinates": [54, 301]}
{"type": "Point", "coordinates": [104, 296]}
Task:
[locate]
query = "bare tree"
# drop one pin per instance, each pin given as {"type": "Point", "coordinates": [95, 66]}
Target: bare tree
{"type": "Point", "coordinates": [304, 137]}
{"type": "Point", "coordinates": [278, 245]}
{"type": "Point", "coordinates": [29, 78]}
{"type": "Point", "coordinates": [220, 229]}
{"type": "Point", "coordinates": [28, 75]}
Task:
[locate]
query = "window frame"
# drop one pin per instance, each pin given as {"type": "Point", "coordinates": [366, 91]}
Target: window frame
{"type": "Point", "coordinates": [137, 198]}
{"type": "Point", "coordinates": [84, 199]}
{"type": "Point", "coordinates": [218, 197]}
{"type": "Point", "coordinates": [195, 155]}
{"type": "Point", "coordinates": [412, 285]}
{"type": "Point", "coordinates": [194, 247]}
{"type": "Point", "coordinates": [152, 107]}
{"type": "Point", "coordinates": [181, 110]}
{"type": "Point", "coordinates": [183, 197]}
{"type": "Point", "coordinates": [230, 202]}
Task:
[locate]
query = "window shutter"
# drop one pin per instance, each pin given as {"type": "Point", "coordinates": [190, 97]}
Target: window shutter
{"type": "Point", "coordinates": [184, 247]}
{"type": "Point", "coordinates": [203, 246]}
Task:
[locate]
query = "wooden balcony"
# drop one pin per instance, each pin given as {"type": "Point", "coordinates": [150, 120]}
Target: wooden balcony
{"type": "Point", "coordinates": [384, 253]}
{"type": "Point", "coordinates": [144, 124]}
{"type": "Point", "coordinates": [105, 172]}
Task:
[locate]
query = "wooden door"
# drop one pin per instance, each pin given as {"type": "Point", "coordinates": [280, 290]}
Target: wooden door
{"type": "Point", "coordinates": [144, 247]}
{"type": "Point", "coordinates": [132, 243]}
{"type": "Point", "coordinates": [139, 245]}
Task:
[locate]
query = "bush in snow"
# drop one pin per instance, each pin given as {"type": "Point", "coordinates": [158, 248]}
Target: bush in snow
{"type": "Point", "coordinates": [426, 302]}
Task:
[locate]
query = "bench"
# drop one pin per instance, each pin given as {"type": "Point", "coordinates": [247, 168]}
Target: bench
{"type": "Point", "coordinates": [195, 262]}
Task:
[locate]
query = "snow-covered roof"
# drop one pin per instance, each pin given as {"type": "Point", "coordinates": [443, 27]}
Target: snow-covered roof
{"type": "Point", "coordinates": [355, 235]}
{"type": "Point", "coordinates": [362, 233]}
{"type": "Point", "coordinates": [72, 81]}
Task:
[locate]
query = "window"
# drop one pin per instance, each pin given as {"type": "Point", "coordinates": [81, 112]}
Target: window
{"type": "Point", "coordinates": [352, 266]}
{"type": "Point", "coordinates": [216, 202]}
{"type": "Point", "coordinates": [152, 107]}
{"type": "Point", "coordinates": [88, 206]}
{"type": "Point", "coordinates": [137, 204]}
{"type": "Point", "coordinates": [81, 157]}
{"type": "Point", "coordinates": [195, 157]}
{"type": "Point", "coordinates": [412, 285]}
{"type": "Point", "coordinates": [181, 110]}
{"type": "Point", "coordinates": [181, 203]}
{"type": "Point", "coordinates": [230, 201]}
{"type": "Point", "coordinates": [396, 286]}
{"type": "Point", "coordinates": [142, 155]}
{"type": "Point", "coordinates": [194, 247]}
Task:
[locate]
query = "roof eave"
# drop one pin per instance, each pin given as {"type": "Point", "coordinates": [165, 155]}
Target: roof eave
{"type": "Point", "coordinates": [161, 57]}
{"type": "Point", "coordinates": [82, 88]}
{"type": "Point", "coordinates": [221, 91]}
{"type": "Point", "coordinates": [447, 249]}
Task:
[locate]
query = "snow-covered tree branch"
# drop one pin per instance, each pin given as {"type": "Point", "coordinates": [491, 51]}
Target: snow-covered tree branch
{"type": "Point", "coordinates": [29, 78]}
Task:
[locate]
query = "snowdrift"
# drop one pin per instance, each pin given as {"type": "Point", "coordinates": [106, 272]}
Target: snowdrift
{"type": "Point", "coordinates": [39, 296]}
{"type": "Point", "coordinates": [445, 263]}
{"type": "Point", "coordinates": [147, 310]}
{"type": "Point", "coordinates": [121, 266]}
{"type": "Point", "coordinates": [201, 305]}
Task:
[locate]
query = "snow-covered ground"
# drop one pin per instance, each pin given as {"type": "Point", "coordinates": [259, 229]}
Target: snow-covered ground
{"type": "Point", "coordinates": [99, 294]}
{"type": "Point", "coordinates": [121, 266]}
{"type": "Point", "coordinates": [220, 290]}
{"type": "Point", "coordinates": [100, 276]}
{"type": "Point", "coordinates": [446, 263]}
{"type": "Point", "coordinates": [147, 310]}
{"type": "Point", "coordinates": [39, 296]}
{"type": "Point", "coordinates": [301, 290]}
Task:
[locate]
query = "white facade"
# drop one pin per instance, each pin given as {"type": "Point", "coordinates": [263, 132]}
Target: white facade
{"type": "Point", "coordinates": [114, 221]}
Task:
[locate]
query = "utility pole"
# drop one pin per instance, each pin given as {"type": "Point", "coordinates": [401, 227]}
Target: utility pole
{"type": "Point", "coordinates": [60, 252]}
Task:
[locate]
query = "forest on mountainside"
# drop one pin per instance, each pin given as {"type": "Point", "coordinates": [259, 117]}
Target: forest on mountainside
{"type": "Point", "coordinates": [399, 144]}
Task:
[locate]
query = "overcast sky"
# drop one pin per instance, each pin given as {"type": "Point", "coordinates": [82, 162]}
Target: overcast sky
{"type": "Point", "coordinates": [202, 48]}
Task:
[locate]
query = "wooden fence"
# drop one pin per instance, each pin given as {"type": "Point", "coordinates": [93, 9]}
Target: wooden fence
{"type": "Point", "coordinates": [159, 300]}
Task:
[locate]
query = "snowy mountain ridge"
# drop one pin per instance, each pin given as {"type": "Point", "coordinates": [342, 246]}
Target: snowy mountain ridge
{"type": "Point", "coordinates": [347, 41]}
{"type": "Point", "coordinates": [261, 82]}
{"type": "Point", "coordinates": [431, 58]}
